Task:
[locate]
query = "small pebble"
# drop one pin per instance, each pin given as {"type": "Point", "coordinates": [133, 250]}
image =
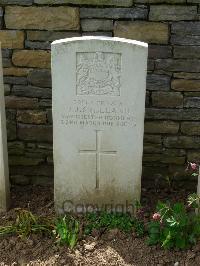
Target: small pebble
{"type": "Point", "coordinates": [176, 263]}
{"type": "Point", "coordinates": [190, 254]}
{"type": "Point", "coordinates": [63, 261]}
{"type": "Point", "coordinates": [30, 242]}
{"type": "Point", "coordinates": [19, 246]}
{"type": "Point", "coordinates": [77, 252]}
{"type": "Point", "coordinates": [12, 241]}
{"type": "Point", "coordinates": [90, 247]}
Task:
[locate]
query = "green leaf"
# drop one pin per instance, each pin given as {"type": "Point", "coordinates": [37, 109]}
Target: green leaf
{"type": "Point", "coordinates": [180, 242]}
{"type": "Point", "coordinates": [67, 229]}
{"type": "Point", "coordinates": [179, 208]}
{"type": "Point", "coordinates": [194, 174]}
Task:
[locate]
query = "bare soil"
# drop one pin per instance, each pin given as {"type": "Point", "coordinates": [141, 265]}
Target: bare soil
{"type": "Point", "coordinates": [112, 248]}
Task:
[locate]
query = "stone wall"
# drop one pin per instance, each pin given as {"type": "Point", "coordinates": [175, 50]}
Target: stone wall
{"type": "Point", "coordinates": [172, 29]}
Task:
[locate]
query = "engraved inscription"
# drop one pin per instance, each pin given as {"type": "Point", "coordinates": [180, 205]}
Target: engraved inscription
{"type": "Point", "coordinates": [97, 153]}
{"type": "Point", "coordinates": [98, 113]}
{"type": "Point", "coordinates": [98, 74]}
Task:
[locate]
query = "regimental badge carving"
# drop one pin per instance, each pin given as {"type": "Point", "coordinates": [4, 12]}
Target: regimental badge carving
{"type": "Point", "coordinates": [98, 74]}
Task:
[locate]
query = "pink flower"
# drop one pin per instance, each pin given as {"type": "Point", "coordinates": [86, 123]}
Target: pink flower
{"type": "Point", "coordinates": [156, 216]}
{"type": "Point", "coordinates": [193, 166]}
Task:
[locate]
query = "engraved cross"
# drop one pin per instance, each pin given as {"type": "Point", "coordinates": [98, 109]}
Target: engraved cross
{"type": "Point", "coordinates": [97, 153]}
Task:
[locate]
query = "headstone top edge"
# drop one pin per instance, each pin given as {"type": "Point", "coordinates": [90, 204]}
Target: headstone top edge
{"type": "Point", "coordinates": [100, 38]}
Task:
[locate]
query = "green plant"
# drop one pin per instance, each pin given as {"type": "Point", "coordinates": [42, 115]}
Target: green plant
{"type": "Point", "coordinates": [27, 223]}
{"type": "Point", "coordinates": [138, 220]}
{"type": "Point", "coordinates": [67, 229]}
{"type": "Point", "coordinates": [139, 227]}
{"type": "Point", "coordinates": [174, 226]}
{"type": "Point", "coordinates": [105, 220]}
{"type": "Point", "coordinates": [193, 200]}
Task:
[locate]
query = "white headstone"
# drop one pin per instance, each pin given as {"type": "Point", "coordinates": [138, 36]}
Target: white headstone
{"type": "Point", "coordinates": [99, 86]}
{"type": "Point", "coordinates": [4, 173]}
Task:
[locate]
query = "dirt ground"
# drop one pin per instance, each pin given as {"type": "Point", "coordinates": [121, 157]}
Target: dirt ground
{"type": "Point", "coordinates": [112, 248]}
